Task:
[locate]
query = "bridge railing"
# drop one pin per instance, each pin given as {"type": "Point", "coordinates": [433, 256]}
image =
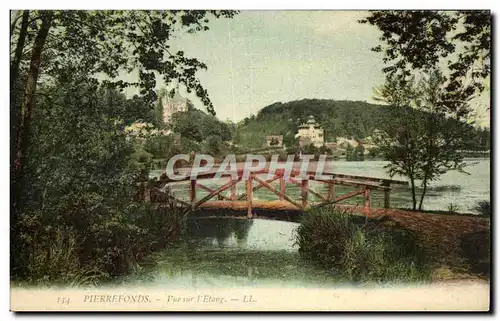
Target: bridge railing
{"type": "Point", "coordinates": [363, 186]}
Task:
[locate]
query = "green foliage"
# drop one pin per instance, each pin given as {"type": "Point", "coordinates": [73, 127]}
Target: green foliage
{"type": "Point", "coordinates": [425, 40]}
{"type": "Point", "coordinates": [310, 149]}
{"type": "Point", "coordinates": [338, 118]}
{"type": "Point", "coordinates": [355, 153]}
{"type": "Point", "coordinates": [213, 145]}
{"type": "Point", "coordinates": [484, 208]}
{"type": "Point", "coordinates": [359, 250]}
{"type": "Point", "coordinates": [425, 137]}
{"type": "Point", "coordinates": [352, 119]}
{"type": "Point", "coordinates": [201, 132]}
{"type": "Point", "coordinates": [98, 41]}
{"type": "Point", "coordinates": [140, 161]}
{"type": "Point", "coordinates": [77, 211]}
{"type": "Point", "coordinates": [479, 140]}
{"type": "Point", "coordinates": [159, 146]}
{"type": "Point", "coordinates": [80, 219]}
{"type": "Point", "coordinates": [197, 126]}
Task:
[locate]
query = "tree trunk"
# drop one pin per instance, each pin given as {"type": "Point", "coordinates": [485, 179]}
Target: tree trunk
{"type": "Point", "coordinates": [14, 65]}
{"type": "Point", "coordinates": [413, 193]}
{"type": "Point", "coordinates": [424, 183]}
{"type": "Point", "coordinates": [29, 101]}
{"type": "Point", "coordinates": [14, 73]}
{"type": "Point", "coordinates": [13, 23]}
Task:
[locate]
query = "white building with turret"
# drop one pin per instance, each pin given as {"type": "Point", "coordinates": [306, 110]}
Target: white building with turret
{"type": "Point", "coordinates": [311, 132]}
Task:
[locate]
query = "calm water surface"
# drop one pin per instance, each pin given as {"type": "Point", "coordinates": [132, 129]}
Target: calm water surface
{"type": "Point", "coordinates": [229, 253]}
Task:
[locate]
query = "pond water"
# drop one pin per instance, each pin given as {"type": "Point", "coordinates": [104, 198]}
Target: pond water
{"type": "Point", "coordinates": [458, 189]}
{"type": "Point", "coordinates": [232, 253]}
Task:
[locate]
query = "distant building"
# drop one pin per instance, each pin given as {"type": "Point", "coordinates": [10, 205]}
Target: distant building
{"type": "Point", "coordinates": [366, 143]}
{"type": "Point", "coordinates": [311, 132]}
{"type": "Point", "coordinates": [172, 103]}
{"type": "Point", "coordinates": [274, 140]}
{"type": "Point", "coordinates": [343, 142]}
{"type": "Point", "coordinates": [304, 141]}
{"type": "Point", "coordinates": [142, 130]}
{"type": "Point", "coordinates": [331, 145]}
{"type": "Point", "coordinates": [177, 139]}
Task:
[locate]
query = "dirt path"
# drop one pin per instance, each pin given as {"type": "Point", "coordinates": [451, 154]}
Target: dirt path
{"type": "Point", "coordinates": [457, 245]}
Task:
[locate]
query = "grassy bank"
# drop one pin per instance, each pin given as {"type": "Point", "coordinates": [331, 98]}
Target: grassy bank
{"type": "Point", "coordinates": [360, 249]}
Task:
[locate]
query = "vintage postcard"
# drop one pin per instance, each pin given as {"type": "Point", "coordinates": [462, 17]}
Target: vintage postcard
{"type": "Point", "coordinates": [250, 160]}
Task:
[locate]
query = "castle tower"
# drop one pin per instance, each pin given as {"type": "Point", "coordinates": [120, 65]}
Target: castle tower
{"type": "Point", "coordinates": [173, 102]}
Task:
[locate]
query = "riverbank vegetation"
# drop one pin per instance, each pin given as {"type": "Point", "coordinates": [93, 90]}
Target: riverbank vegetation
{"type": "Point", "coordinates": [424, 140]}
{"type": "Point", "coordinates": [410, 246]}
{"type": "Point", "coordinates": [77, 213]}
{"type": "Point", "coordinates": [359, 249]}
{"type": "Point", "coordinates": [483, 208]}
{"type": "Point", "coordinates": [81, 218]}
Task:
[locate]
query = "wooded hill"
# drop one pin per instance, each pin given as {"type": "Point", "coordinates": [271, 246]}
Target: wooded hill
{"type": "Point", "coordinates": [355, 119]}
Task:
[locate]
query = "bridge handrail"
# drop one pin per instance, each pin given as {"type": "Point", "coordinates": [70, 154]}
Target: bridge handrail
{"type": "Point", "coordinates": [294, 173]}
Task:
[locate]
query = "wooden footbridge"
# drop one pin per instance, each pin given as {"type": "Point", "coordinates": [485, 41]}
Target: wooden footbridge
{"type": "Point", "coordinates": [160, 190]}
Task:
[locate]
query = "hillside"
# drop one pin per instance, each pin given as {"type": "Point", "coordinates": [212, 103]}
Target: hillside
{"type": "Point", "coordinates": [354, 119]}
{"type": "Point", "coordinates": [338, 118]}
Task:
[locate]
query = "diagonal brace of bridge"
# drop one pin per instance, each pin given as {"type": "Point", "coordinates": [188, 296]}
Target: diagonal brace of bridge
{"type": "Point", "coordinates": [362, 185]}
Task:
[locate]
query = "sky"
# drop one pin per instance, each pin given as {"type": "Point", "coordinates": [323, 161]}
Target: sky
{"type": "Point", "coordinates": [262, 57]}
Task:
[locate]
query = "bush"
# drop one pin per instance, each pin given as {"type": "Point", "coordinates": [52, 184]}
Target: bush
{"type": "Point", "coordinates": [89, 246]}
{"type": "Point", "coordinates": [360, 250]}
{"type": "Point", "coordinates": [484, 208]}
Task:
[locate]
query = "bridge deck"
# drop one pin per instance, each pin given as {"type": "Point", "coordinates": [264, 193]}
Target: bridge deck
{"type": "Point", "coordinates": [256, 204]}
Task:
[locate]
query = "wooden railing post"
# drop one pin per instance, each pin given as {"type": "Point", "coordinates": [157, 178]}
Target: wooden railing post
{"type": "Point", "coordinates": [193, 194]}
{"type": "Point", "coordinates": [331, 192]}
{"type": "Point", "coordinates": [367, 200]}
{"type": "Point", "coordinates": [304, 192]}
{"type": "Point", "coordinates": [282, 188]}
{"type": "Point", "coordinates": [249, 195]}
{"type": "Point", "coordinates": [233, 190]}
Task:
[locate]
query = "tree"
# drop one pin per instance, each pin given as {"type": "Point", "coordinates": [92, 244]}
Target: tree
{"type": "Point", "coordinates": [78, 181]}
{"type": "Point", "coordinates": [93, 44]}
{"type": "Point", "coordinates": [426, 40]}
{"type": "Point", "coordinates": [424, 139]}
{"type": "Point", "coordinates": [360, 152]}
{"type": "Point", "coordinates": [188, 125]}
{"type": "Point", "coordinates": [213, 145]}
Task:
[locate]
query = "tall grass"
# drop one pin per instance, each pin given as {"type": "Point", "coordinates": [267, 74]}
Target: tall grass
{"type": "Point", "coordinates": [453, 208]}
{"type": "Point", "coordinates": [360, 250]}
